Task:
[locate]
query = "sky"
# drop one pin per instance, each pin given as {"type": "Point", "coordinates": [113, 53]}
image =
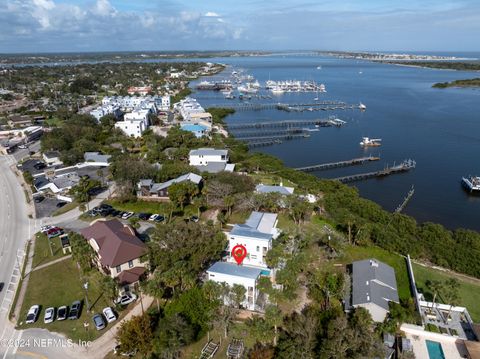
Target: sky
{"type": "Point", "coordinates": [142, 25]}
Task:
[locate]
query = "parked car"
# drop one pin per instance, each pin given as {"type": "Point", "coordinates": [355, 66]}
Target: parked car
{"type": "Point", "coordinates": [38, 199]}
{"type": "Point", "coordinates": [194, 219]}
{"type": "Point", "coordinates": [160, 218]}
{"type": "Point", "coordinates": [153, 217]}
{"type": "Point", "coordinates": [92, 213]}
{"type": "Point", "coordinates": [125, 299]}
{"type": "Point", "coordinates": [98, 321]}
{"type": "Point", "coordinates": [39, 166]}
{"type": "Point", "coordinates": [32, 314]}
{"type": "Point", "coordinates": [54, 232]}
{"type": "Point", "coordinates": [115, 212]}
{"type": "Point", "coordinates": [120, 214]}
{"type": "Point", "coordinates": [117, 351]}
{"type": "Point", "coordinates": [1, 286]}
{"type": "Point", "coordinates": [144, 216]}
{"type": "Point", "coordinates": [75, 310]}
{"type": "Point", "coordinates": [61, 204]}
{"type": "Point", "coordinates": [22, 146]}
{"type": "Point", "coordinates": [62, 312]}
{"type": "Point", "coordinates": [109, 314]}
{"type": "Point", "coordinates": [105, 206]}
{"type": "Point", "coordinates": [127, 215]}
{"type": "Point", "coordinates": [45, 229]}
{"type": "Point", "coordinates": [49, 315]}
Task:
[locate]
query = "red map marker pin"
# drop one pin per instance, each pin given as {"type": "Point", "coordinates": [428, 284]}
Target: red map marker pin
{"type": "Point", "coordinates": [239, 252]}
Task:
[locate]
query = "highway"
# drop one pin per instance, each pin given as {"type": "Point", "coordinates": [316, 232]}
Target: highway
{"type": "Point", "coordinates": [15, 229]}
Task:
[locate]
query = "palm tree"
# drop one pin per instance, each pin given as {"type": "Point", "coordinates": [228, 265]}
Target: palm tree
{"type": "Point", "coordinates": [436, 287]}
{"type": "Point", "coordinates": [228, 202]}
{"type": "Point", "coordinates": [451, 294]}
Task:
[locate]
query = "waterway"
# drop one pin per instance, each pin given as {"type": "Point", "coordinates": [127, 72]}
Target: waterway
{"type": "Point", "coordinates": [438, 128]}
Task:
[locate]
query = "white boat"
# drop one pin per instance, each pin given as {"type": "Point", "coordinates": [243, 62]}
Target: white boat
{"type": "Point", "coordinates": [362, 107]}
{"type": "Point", "coordinates": [370, 142]}
{"type": "Point", "coordinates": [471, 184]}
{"type": "Point", "coordinates": [319, 67]}
{"type": "Point", "coordinates": [276, 90]}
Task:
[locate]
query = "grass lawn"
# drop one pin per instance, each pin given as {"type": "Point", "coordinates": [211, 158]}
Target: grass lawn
{"type": "Point", "coordinates": [469, 291]}
{"type": "Point", "coordinates": [66, 208]}
{"type": "Point", "coordinates": [42, 252]}
{"type": "Point", "coordinates": [60, 284]}
{"type": "Point", "coordinates": [397, 262]}
{"type": "Point", "coordinates": [238, 330]}
{"type": "Point", "coordinates": [271, 179]}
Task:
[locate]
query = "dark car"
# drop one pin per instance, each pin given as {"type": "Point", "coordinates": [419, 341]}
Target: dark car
{"type": "Point", "coordinates": [105, 206]}
{"type": "Point", "coordinates": [1, 286]}
{"type": "Point", "coordinates": [75, 310]}
{"type": "Point", "coordinates": [98, 321]}
{"type": "Point", "coordinates": [39, 166]}
{"type": "Point", "coordinates": [144, 216]}
{"type": "Point", "coordinates": [194, 219]}
{"type": "Point", "coordinates": [160, 218]}
{"type": "Point", "coordinates": [38, 199]}
{"type": "Point", "coordinates": [115, 213]}
{"type": "Point", "coordinates": [61, 204]}
{"type": "Point", "coordinates": [62, 313]}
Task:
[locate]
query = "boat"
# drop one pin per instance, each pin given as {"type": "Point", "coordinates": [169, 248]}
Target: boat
{"type": "Point", "coordinates": [277, 90]}
{"type": "Point", "coordinates": [362, 107]}
{"type": "Point", "coordinates": [471, 184]}
{"type": "Point", "coordinates": [370, 142]}
{"type": "Point", "coordinates": [319, 67]}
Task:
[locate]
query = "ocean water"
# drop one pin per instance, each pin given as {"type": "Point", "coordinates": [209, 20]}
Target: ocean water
{"type": "Point", "coordinates": [438, 128]}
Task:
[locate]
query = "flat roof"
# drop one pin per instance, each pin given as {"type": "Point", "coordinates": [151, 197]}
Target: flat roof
{"type": "Point", "coordinates": [235, 270]}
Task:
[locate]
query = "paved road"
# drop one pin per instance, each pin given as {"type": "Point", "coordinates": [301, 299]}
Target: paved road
{"type": "Point", "coordinates": [15, 229]}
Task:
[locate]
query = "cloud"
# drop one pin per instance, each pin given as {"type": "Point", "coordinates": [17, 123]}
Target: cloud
{"type": "Point", "coordinates": [211, 14]}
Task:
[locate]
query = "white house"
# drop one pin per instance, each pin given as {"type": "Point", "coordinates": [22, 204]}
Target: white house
{"type": "Point", "coordinates": [52, 158]}
{"type": "Point", "coordinates": [261, 188]}
{"type": "Point", "coordinates": [373, 287]}
{"type": "Point", "coordinates": [210, 160]}
{"type": "Point", "coordinates": [222, 272]}
{"type": "Point", "coordinates": [256, 236]}
{"type": "Point", "coordinates": [132, 128]}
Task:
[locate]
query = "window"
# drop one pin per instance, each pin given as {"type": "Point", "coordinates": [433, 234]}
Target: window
{"type": "Point", "coordinates": [264, 249]}
{"type": "Point", "coordinates": [130, 264]}
{"type": "Point", "coordinates": [252, 256]}
{"type": "Point", "coordinates": [118, 269]}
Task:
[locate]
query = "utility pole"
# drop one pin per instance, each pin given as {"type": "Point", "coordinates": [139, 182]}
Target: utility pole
{"type": "Point", "coordinates": [85, 286]}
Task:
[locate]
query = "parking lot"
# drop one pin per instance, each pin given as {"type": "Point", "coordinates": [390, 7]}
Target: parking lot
{"type": "Point", "coordinates": [46, 207]}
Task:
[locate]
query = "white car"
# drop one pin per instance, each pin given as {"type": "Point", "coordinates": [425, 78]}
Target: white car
{"type": "Point", "coordinates": [109, 314]}
{"type": "Point", "coordinates": [44, 229]}
{"type": "Point", "coordinates": [127, 298]}
{"type": "Point", "coordinates": [154, 217]}
{"type": "Point", "coordinates": [32, 314]}
{"type": "Point", "coordinates": [127, 215]}
{"type": "Point", "coordinates": [49, 315]}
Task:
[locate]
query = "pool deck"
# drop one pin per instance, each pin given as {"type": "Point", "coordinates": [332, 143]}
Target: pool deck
{"type": "Point", "coordinates": [453, 348]}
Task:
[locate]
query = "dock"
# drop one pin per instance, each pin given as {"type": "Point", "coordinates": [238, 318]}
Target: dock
{"type": "Point", "coordinates": [326, 166]}
{"type": "Point", "coordinates": [299, 107]}
{"type": "Point", "coordinates": [405, 166]}
{"type": "Point", "coordinates": [330, 122]}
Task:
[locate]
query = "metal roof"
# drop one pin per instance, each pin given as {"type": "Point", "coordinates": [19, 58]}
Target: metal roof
{"type": "Point", "coordinates": [259, 225]}
{"type": "Point", "coordinates": [373, 282]}
{"type": "Point", "coordinates": [192, 177]}
{"type": "Point", "coordinates": [96, 157]}
{"type": "Point", "coordinates": [261, 188]}
{"type": "Point", "coordinates": [208, 152]}
{"type": "Point", "coordinates": [212, 167]}
{"type": "Point", "coordinates": [235, 270]}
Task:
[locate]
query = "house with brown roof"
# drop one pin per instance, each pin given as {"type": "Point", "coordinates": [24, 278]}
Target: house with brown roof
{"type": "Point", "coordinates": [119, 251]}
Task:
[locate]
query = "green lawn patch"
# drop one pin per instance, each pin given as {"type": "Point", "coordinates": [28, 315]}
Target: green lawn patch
{"type": "Point", "coordinates": [469, 291]}
{"type": "Point", "coordinates": [271, 179]}
{"type": "Point", "coordinates": [432, 328]}
{"type": "Point", "coordinates": [397, 262]}
{"type": "Point", "coordinates": [61, 284]}
{"type": "Point", "coordinates": [139, 206]}
{"type": "Point", "coordinates": [42, 253]}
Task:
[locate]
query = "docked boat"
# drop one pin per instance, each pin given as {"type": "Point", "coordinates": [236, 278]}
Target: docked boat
{"type": "Point", "coordinates": [362, 107]}
{"type": "Point", "coordinates": [370, 142]}
{"type": "Point", "coordinates": [471, 184]}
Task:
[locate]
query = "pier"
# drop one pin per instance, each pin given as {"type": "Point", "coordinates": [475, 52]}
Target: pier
{"type": "Point", "coordinates": [325, 166]}
{"type": "Point", "coordinates": [288, 123]}
{"type": "Point", "coordinates": [273, 138]}
{"type": "Point", "coordinates": [299, 107]}
{"type": "Point", "coordinates": [407, 198]}
{"type": "Point", "coordinates": [403, 167]}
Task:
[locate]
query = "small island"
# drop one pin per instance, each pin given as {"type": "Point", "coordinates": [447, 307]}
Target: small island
{"type": "Point", "coordinates": [458, 83]}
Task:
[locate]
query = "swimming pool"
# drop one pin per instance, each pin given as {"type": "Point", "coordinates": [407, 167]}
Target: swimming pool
{"type": "Point", "coordinates": [435, 350]}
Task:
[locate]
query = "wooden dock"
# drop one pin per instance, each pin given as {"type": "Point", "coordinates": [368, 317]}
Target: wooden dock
{"type": "Point", "coordinates": [403, 167]}
{"type": "Point", "coordinates": [326, 166]}
{"type": "Point", "coordinates": [330, 122]}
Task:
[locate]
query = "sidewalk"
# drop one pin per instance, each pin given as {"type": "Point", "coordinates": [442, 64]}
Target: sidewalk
{"type": "Point", "coordinates": [52, 262]}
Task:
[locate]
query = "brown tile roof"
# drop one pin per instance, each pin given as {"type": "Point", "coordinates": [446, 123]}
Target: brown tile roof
{"type": "Point", "coordinates": [118, 242]}
{"type": "Point", "coordinates": [130, 276]}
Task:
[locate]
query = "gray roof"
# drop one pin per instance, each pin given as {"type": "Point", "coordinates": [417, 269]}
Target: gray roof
{"type": "Point", "coordinates": [51, 154]}
{"type": "Point", "coordinates": [261, 188]}
{"type": "Point", "coordinates": [208, 152]}
{"type": "Point", "coordinates": [235, 270]}
{"type": "Point", "coordinates": [192, 177]}
{"type": "Point", "coordinates": [40, 181]}
{"type": "Point", "coordinates": [145, 182]}
{"type": "Point", "coordinates": [259, 225]}
{"type": "Point", "coordinates": [96, 157]}
{"type": "Point", "coordinates": [212, 167]}
{"type": "Point", "coordinates": [373, 282]}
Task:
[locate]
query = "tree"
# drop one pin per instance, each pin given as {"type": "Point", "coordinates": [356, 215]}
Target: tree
{"type": "Point", "coordinates": [82, 253]}
{"type": "Point", "coordinates": [134, 222]}
{"type": "Point", "coordinates": [237, 295]}
{"type": "Point", "coordinates": [451, 294]}
{"type": "Point", "coordinates": [299, 209]}
{"type": "Point", "coordinates": [136, 334]}
{"type": "Point", "coordinates": [228, 203]}
{"type": "Point", "coordinates": [274, 318]}
{"type": "Point", "coordinates": [260, 351]}
{"type": "Point", "coordinates": [82, 190]}
{"type": "Point", "coordinates": [182, 193]}
{"type": "Point", "coordinates": [436, 287]}
{"type": "Point", "coordinates": [173, 332]}
{"type": "Point", "coordinates": [109, 287]}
